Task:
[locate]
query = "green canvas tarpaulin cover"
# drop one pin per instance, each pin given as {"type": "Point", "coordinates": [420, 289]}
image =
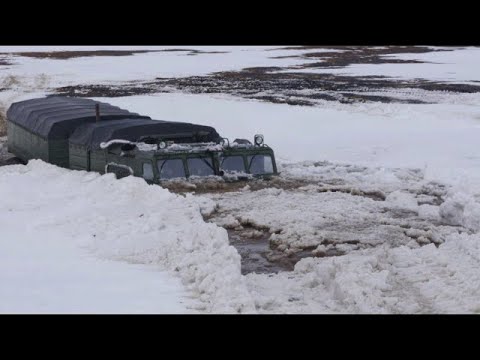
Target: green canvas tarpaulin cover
{"type": "Point", "coordinates": [92, 135]}
{"type": "Point", "coordinates": [74, 119]}
{"type": "Point", "coordinates": [57, 117]}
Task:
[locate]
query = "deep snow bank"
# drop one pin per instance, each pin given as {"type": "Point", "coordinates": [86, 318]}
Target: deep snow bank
{"type": "Point", "coordinates": [379, 280]}
{"type": "Point", "coordinates": [408, 244]}
{"type": "Point", "coordinates": [132, 221]}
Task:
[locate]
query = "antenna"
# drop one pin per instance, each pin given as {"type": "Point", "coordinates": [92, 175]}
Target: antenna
{"type": "Point", "coordinates": [97, 111]}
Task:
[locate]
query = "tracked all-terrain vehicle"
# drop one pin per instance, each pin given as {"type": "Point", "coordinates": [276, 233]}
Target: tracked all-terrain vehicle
{"type": "Point", "coordinates": [83, 134]}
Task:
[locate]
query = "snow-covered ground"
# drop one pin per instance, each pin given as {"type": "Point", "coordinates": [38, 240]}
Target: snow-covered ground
{"type": "Point", "coordinates": [56, 224]}
{"type": "Point", "coordinates": [144, 66]}
{"type": "Point", "coordinates": [459, 66]}
{"type": "Point", "coordinates": [406, 244]}
{"type": "Point", "coordinates": [42, 267]}
{"type": "Point", "coordinates": [395, 188]}
{"type": "Point", "coordinates": [380, 280]}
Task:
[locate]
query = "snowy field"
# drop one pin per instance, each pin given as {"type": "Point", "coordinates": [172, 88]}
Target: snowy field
{"type": "Point", "coordinates": [143, 66]}
{"type": "Point", "coordinates": [385, 213]}
{"type": "Point", "coordinates": [455, 66]}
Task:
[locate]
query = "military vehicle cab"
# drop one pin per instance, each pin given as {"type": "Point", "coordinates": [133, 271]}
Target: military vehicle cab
{"type": "Point", "coordinates": [84, 134]}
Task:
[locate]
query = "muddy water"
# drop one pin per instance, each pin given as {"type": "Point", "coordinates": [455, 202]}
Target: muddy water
{"type": "Point", "coordinates": [258, 256]}
{"type": "Point", "coordinates": [335, 233]}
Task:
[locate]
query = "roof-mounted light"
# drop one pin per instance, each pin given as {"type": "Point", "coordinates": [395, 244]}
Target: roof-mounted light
{"type": "Point", "coordinates": [258, 140]}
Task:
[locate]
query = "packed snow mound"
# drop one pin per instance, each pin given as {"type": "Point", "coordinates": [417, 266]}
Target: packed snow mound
{"type": "Point", "coordinates": [380, 280]}
{"type": "Point", "coordinates": [461, 209]}
{"type": "Point", "coordinates": [132, 221]}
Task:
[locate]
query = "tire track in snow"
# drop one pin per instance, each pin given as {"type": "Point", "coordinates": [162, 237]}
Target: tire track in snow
{"type": "Point", "coordinates": [436, 280]}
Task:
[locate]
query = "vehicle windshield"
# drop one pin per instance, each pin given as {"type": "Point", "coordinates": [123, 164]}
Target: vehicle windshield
{"type": "Point", "coordinates": [232, 163]}
{"type": "Point", "coordinates": [169, 169]}
{"type": "Point", "coordinates": [260, 164]}
{"type": "Point", "coordinates": [200, 166]}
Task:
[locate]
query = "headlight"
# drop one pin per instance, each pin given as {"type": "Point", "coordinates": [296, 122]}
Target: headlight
{"type": "Point", "coordinates": [258, 139]}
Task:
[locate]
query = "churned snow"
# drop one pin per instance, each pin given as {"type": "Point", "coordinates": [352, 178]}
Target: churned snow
{"type": "Point", "coordinates": [381, 280]}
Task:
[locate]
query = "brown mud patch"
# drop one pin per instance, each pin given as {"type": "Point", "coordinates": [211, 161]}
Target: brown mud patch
{"type": "Point", "coordinates": [349, 55]}
{"type": "Point", "coordinates": [261, 254]}
{"type": "Point", "coordinates": [65, 55]}
{"type": "Point", "coordinates": [191, 52]}
{"type": "Point", "coordinates": [296, 88]}
{"type": "Point", "coordinates": [218, 185]}
{"type": "Point", "coordinates": [259, 257]}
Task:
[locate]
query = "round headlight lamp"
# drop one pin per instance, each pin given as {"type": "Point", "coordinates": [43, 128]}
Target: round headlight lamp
{"type": "Point", "coordinates": [258, 140]}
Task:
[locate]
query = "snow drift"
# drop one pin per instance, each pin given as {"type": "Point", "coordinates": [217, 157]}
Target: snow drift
{"type": "Point", "coordinates": [132, 221]}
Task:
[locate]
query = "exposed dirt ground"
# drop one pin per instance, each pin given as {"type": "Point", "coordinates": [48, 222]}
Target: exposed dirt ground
{"type": "Point", "coordinates": [349, 55]}
{"type": "Point", "coordinates": [65, 55]}
{"type": "Point", "coordinates": [284, 85]}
